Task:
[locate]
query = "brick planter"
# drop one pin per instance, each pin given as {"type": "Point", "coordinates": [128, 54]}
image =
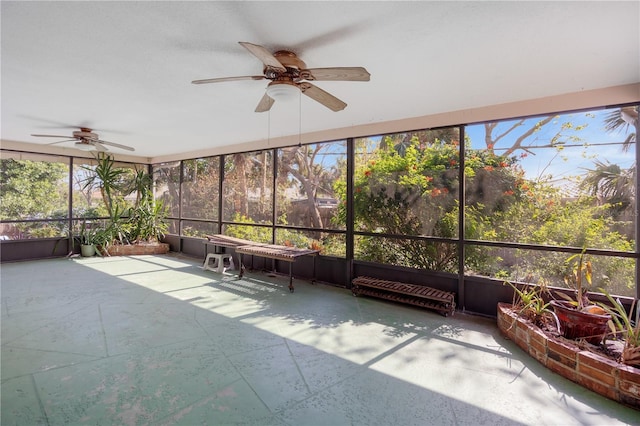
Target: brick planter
{"type": "Point", "coordinates": [137, 249]}
{"type": "Point", "coordinates": [600, 374]}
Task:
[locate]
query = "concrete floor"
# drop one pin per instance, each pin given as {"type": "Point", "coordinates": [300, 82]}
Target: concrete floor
{"type": "Point", "coordinates": [157, 340]}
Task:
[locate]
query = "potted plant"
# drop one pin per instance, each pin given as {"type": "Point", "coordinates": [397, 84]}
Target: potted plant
{"type": "Point", "coordinates": [578, 317]}
{"type": "Point", "coordinates": [87, 240]}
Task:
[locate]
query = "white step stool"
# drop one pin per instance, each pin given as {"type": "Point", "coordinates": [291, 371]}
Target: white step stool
{"type": "Point", "coordinates": [218, 264]}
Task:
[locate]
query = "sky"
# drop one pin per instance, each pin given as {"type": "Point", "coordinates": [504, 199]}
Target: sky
{"type": "Point", "coordinates": [587, 128]}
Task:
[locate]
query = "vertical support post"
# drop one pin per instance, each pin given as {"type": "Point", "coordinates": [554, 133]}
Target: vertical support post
{"type": "Point", "coordinates": [274, 215]}
{"type": "Point", "coordinates": [220, 193]}
{"type": "Point", "coordinates": [350, 214]}
{"type": "Point", "coordinates": [70, 207]}
{"type": "Point", "coordinates": [637, 206]}
{"type": "Point", "coordinates": [461, 224]}
{"type": "Point", "coordinates": [180, 180]}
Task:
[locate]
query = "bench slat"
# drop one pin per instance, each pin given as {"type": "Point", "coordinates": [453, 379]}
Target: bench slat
{"type": "Point", "coordinates": [424, 296]}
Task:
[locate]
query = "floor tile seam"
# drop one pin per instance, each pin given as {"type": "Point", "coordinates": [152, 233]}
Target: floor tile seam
{"type": "Point", "coordinates": [57, 367]}
{"type": "Point", "coordinates": [145, 350]}
{"type": "Point", "coordinates": [359, 369]}
{"type": "Point", "coordinates": [197, 402]}
{"type": "Point", "coordinates": [295, 362]}
{"type": "Point", "coordinates": [39, 399]}
{"type": "Point", "coordinates": [26, 348]}
{"type": "Point", "coordinates": [6, 307]}
{"type": "Point", "coordinates": [196, 309]}
{"type": "Point", "coordinates": [48, 323]}
{"type": "Point", "coordinates": [103, 331]}
{"type": "Point", "coordinates": [48, 309]}
{"type": "Point", "coordinates": [248, 383]}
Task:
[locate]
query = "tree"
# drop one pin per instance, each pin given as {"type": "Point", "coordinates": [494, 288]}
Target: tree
{"type": "Point", "coordinates": [33, 189]}
{"type": "Point", "coordinates": [621, 119]}
{"type": "Point", "coordinates": [407, 189]}
{"type": "Point", "coordinates": [611, 184]}
{"type": "Point", "coordinates": [313, 179]}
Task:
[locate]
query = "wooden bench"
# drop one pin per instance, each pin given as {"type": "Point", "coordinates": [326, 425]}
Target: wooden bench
{"type": "Point", "coordinates": [413, 294]}
{"type": "Point", "coordinates": [269, 251]}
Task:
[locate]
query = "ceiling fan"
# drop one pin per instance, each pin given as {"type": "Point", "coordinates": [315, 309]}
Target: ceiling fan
{"type": "Point", "coordinates": [85, 140]}
{"type": "Point", "coordinates": [288, 74]}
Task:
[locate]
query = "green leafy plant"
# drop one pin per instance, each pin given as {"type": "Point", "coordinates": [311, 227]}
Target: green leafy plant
{"type": "Point", "coordinates": [87, 234]}
{"type": "Point", "coordinates": [147, 220]}
{"type": "Point", "coordinates": [622, 324]}
{"type": "Point", "coordinates": [581, 269]}
{"type": "Point", "coordinates": [530, 303]}
{"type": "Point", "coordinates": [107, 178]}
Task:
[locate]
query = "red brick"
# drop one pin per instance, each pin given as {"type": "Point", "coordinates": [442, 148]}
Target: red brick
{"type": "Point", "coordinates": [538, 347]}
{"type": "Point", "coordinates": [562, 369]}
{"type": "Point", "coordinates": [629, 373]}
{"type": "Point", "coordinates": [506, 324]}
{"type": "Point", "coordinates": [598, 387]}
{"type": "Point", "coordinates": [608, 379]}
{"type": "Point", "coordinates": [597, 362]}
{"type": "Point", "coordinates": [629, 381]}
{"type": "Point", "coordinates": [522, 327]}
{"type": "Point", "coordinates": [522, 339]}
{"type": "Point", "coordinates": [535, 335]}
{"type": "Point", "coordinates": [630, 388]}
{"type": "Point", "coordinates": [556, 352]}
{"type": "Point", "coordinates": [540, 356]}
{"type": "Point", "coordinates": [629, 400]}
{"type": "Point", "coordinates": [563, 349]}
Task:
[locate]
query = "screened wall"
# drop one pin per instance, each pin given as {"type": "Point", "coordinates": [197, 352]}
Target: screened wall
{"type": "Point", "coordinates": [49, 196]}
{"type": "Point", "coordinates": [504, 200]}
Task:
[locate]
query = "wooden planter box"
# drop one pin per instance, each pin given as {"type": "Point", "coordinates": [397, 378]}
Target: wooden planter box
{"type": "Point", "coordinates": [598, 373]}
{"type": "Point", "coordinates": [137, 249]}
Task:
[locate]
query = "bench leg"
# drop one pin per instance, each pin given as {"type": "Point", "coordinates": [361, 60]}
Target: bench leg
{"type": "Point", "coordinates": [291, 289]}
{"type": "Point", "coordinates": [241, 267]}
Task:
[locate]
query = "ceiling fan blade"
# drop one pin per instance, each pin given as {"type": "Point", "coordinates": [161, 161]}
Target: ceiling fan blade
{"type": "Point", "coordinates": [220, 80]}
{"type": "Point", "coordinates": [66, 140]}
{"type": "Point", "coordinates": [97, 142]}
{"type": "Point", "coordinates": [264, 55]}
{"type": "Point", "coordinates": [97, 146]}
{"type": "Point", "coordinates": [319, 95]}
{"type": "Point", "coordinates": [51, 136]}
{"type": "Point", "coordinates": [336, 74]}
{"type": "Point", "coordinates": [265, 103]}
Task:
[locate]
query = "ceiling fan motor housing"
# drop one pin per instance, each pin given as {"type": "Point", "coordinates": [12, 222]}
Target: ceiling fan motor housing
{"type": "Point", "coordinates": [84, 133]}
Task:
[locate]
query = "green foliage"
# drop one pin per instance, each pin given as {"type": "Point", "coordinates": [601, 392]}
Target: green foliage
{"type": "Point", "coordinates": [258, 234]}
{"type": "Point", "coordinates": [108, 178]}
{"type": "Point", "coordinates": [33, 189]}
{"type": "Point", "coordinates": [144, 220]}
{"type": "Point", "coordinates": [530, 303]}
{"type": "Point", "coordinates": [622, 322]}
{"type": "Point", "coordinates": [580, 271]}
{"type": "Point", "coordinates": [147, 219]}
{"type": "Point", "coordinates": [410, 189]}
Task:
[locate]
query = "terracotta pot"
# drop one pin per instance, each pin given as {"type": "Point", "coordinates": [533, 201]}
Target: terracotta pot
{"type": "Point", "coordinates": [577, 325]}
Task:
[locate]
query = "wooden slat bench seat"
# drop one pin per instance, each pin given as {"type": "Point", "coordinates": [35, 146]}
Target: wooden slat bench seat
{"type": "Point", "coordinates": [413, 294]}
{"type": "Point", "coordinates": [269, 251]}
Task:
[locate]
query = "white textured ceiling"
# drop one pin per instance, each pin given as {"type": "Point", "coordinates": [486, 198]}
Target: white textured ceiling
{"type": "Point", "coordinates": [124, 68]}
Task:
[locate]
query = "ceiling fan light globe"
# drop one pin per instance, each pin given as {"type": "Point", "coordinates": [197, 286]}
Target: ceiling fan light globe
{"type": "Point", "coordinates": [283, 92]}
{"type": "Point", "coordinates": [84, 146]}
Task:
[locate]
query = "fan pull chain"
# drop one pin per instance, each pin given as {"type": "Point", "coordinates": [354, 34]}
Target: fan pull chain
{"type": "Point", "coordinates": [269, 129]}
{"type": "Point", "coordinates": [300, 119]}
